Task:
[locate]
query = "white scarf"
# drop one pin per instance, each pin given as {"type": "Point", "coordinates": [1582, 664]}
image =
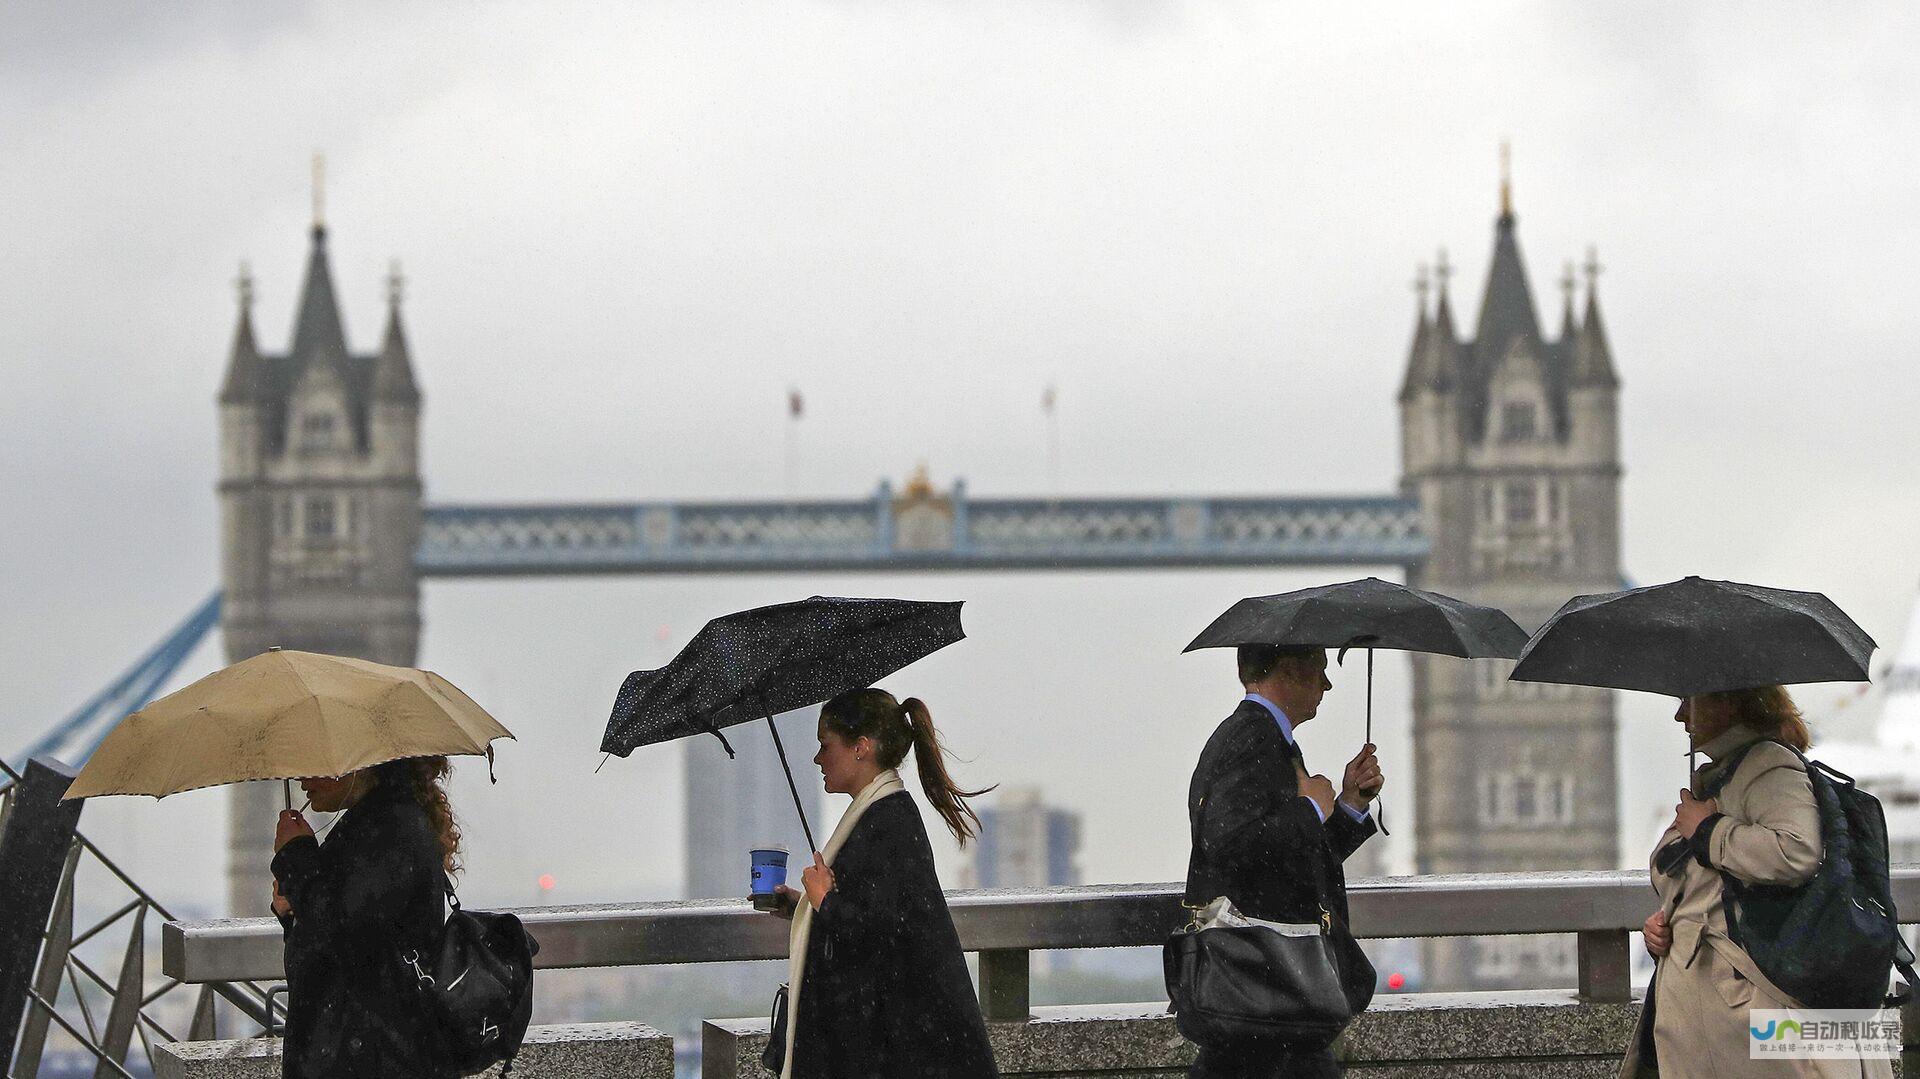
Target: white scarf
{"type": "Point", "coordinates": [887, 782]}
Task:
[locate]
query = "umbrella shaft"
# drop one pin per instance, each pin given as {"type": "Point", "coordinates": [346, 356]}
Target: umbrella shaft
{"type": "Point", "coordinates": [791, 786]}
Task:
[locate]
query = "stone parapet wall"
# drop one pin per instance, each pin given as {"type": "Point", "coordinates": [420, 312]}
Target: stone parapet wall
{"type": "Point", "coordinates": [562, 1051]}
{"type": "Point", "coordinates": [1546, 1033]}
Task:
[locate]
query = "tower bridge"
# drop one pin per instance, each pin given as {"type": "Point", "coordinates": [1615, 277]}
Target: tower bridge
{"type": "Point", "coordinates": [1509, 495]}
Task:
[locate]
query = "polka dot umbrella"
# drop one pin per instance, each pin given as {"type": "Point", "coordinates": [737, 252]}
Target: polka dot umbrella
{"type": "Point", "coordinates": [759, 663]}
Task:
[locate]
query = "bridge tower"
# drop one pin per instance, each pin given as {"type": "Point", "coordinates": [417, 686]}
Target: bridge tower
{"type": "Point", "coordinates": [1510, 442]}
{"type": "Point", "coordinates": [319, 511]}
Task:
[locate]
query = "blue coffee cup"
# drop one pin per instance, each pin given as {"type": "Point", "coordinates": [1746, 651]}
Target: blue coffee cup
{"type": "Point", "coordinates": [769, 873]}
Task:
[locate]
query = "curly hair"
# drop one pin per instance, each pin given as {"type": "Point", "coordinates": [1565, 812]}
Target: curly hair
{"type": "Point", "coordinates": [425, 778]}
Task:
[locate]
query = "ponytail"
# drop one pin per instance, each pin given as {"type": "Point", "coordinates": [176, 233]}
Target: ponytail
{"type": "Point", "coordinates": [895, 728]}
{"type": "Point", "coordinates": [946, 797]}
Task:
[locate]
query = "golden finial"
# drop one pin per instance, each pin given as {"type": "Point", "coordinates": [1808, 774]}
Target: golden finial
{"type": "Point", "coordinates": [1506, 178]}
{"type": "Point", "coordinates": [920, 484]}
{"type": "Point", "coordinates": [319, 190]}
{"type": "Point", "coordinates": [396, 283]}
{"type": "Point", "coordinates": [1593, 268]}
{"type": "Point", "coordinates": [1421, 284]}
{"type": "Point", "coordinates": [1442, 269]}
{"type": "Point", "coordinates": [243, 285]}
{"type": "Point", "coordinates": [1567, 283]}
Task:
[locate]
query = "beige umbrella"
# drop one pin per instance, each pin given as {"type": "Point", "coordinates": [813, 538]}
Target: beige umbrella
{"type": "Point", "coordinates": [285, 715]}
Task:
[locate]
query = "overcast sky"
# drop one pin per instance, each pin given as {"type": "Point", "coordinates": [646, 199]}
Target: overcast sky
{"type": "Point", "coordinates": [629, 228]}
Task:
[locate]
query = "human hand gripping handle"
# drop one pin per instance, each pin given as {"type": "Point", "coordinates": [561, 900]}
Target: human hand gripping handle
{"type": "Point", "coordinates": [1690, 811]}
{"type": "Point", "coordinates": [818, 880]}
{"type": "Point", "coordinates": [1363, 780]}
{"type": "Point", "coordinates": [291, 826]}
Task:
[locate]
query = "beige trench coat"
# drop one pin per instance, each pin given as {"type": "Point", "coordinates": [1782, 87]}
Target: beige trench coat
{"type": "Point", "coordinates": [1706, 984]}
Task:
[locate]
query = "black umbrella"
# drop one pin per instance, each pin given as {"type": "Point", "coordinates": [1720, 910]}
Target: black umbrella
{"type": "Point", "coordinates": [1695, 636]}
{"type": "Point", "coordinates": [759, 663]}
{"type": "Point", "coordinates": [1369, 614]}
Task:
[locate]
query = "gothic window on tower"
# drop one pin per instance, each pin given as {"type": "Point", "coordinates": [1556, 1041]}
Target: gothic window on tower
{"type": "Point", "coordinates": [320, 517]}
{"type": "Point", "coordinates": [1526, 798]}
{"type": "Point", "coordinates": [1522, 502]}
{"type": "Point", "coordinates": [1519, 422]}
{"type": "Point", "coordinates": [283, 517]}
{"type": "Point", "coordinates": [317, 431]}
{"type": "Point", "coordinates": [1487, 515]}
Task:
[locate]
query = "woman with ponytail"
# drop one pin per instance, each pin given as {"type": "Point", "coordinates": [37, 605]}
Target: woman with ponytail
{"type": "Point", "coordinates": [878, 986]}
{"type": "Point", "coordinates": [351, 907]}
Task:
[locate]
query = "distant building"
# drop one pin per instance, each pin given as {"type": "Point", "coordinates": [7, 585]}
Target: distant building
{"type": "Point", "coordinates": [734, 805]}
{"type": "Point", "coordinates": [319, 514]}
{"type": "Point", "coordinates": [1024, 843]}
{"type": "Point", "coordinates": [1510, 440]}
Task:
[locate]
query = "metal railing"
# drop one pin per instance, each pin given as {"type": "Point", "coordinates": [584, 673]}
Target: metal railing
{"type": "Point", "coordinates": [128, 996]}
{"type": "Point", "coordinates": [1601, 910]}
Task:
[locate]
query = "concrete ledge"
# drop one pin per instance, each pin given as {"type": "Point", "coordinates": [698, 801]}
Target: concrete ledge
{"type": "Point", "coordinates": [1484, 1035]}
{"type": "Point", "coordinates": [570, 1050]}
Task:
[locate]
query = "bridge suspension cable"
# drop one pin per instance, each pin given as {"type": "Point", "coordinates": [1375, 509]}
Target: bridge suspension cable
{"type": "Point", "coordinates": [74, 738]}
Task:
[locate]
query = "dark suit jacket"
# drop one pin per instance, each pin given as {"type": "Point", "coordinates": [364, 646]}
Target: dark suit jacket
{"type": "Point", "coordinates": [1256, 840]}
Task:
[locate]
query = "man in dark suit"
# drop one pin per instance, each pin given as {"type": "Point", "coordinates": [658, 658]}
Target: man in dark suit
{"type": "Point", "coordinates": [1271, 836]}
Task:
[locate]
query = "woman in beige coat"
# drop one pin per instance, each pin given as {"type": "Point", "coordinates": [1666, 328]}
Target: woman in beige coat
{"type": "Point", "coordinates": [1761, 825]}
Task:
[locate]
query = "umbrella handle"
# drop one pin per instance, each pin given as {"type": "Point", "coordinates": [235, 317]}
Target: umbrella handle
{"type": "Point", "coordinates": [1369, 695]}
{"type": "Point", "coordinates": [782, 751]}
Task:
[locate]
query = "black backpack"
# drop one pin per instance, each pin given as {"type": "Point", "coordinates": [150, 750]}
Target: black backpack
{"type": "Point", "coordinates": [476, 984]}
{"type": "Point", "coordinates": [1832, 941]}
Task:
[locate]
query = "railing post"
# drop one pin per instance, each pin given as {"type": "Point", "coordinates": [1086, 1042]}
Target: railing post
{"type": "Point", "coordinates": [1004, 986]}
{"type": "Point", "coordinates": [1605, 967]}
{"type": "Point", "coordinates": [33, 853]}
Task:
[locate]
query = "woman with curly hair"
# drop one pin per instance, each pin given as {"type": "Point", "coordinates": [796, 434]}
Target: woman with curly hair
{"type": "Point", "coordinates": [351, 908]}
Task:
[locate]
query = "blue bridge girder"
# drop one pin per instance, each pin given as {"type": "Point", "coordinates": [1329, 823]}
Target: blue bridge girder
{"type": "Point", "coordinates": [947, 532]}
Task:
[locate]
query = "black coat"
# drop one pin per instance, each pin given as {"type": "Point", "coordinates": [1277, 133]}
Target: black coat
{"type": "Point", "coordinates": [369, 894]}
{"type": "Point", "coordinates": [886, 992]}
{"type": "Point", "coordinates": [1259, 842]}
{"type": "Point", "coordinates": [1262, 845]}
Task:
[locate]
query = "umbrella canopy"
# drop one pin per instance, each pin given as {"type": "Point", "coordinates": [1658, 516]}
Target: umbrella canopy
{"type": "Point", "coordinates": [1697, 636]}
{"type": "Point", "coordinates": [285, 715]}
{"type": "Point", "coordinates": [1369, 613]}
{"type": "Point", "coordinates": [759, 663]}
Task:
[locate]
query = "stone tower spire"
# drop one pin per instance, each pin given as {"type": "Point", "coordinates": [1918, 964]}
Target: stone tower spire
{"type": "Point", "coordinates": [317, 330]}
{"type": "Point", "coordinates": [320, 505]}
{"type": "Point", "coordinates": [1592, 357]}
{"type": "Point", "coordinates": [393, 371]}
{"type": "Point", "coordinates": [1516, 470]}
{"type": "Point", "coordinates": [246, 381]}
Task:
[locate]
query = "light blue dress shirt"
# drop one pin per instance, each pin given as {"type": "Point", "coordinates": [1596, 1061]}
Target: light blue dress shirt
{"type": "Point", "coordinates": [1286, 731]}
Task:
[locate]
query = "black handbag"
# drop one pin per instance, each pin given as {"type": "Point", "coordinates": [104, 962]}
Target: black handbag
{"type": "Point", "coordinates": [774, 1056]}
{"type": "Point", "coordinates": [1233, 978]}
{"type": "Point", "coordinates": [476, 985]}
